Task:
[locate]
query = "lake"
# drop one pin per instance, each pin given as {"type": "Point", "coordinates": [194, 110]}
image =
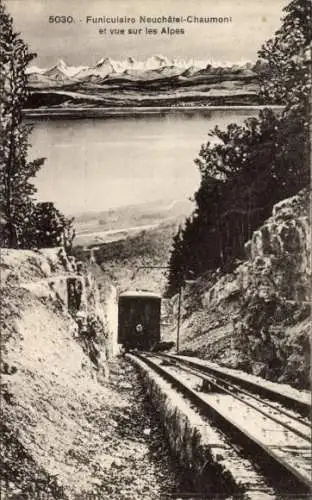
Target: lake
{"type": "Point", "coordinates": [97, 164]}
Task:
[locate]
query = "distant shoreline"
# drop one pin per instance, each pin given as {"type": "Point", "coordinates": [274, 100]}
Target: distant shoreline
{"type": "Point", "coordinates": [110, 112]}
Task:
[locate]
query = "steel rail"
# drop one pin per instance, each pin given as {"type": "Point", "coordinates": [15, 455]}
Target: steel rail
{"type": "Point", "coordinates": [270, 405]}
{"type": "Point", "coordinates": [229, 424]}
{"type": "Point", "coordinates": [213, 380]}
{"type": "Point", "coordinates": [304, 408]}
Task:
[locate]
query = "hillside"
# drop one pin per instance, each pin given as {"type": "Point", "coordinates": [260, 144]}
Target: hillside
{"type": "Point", "coordinates": [257, 317]}
{"type": "Point", "coordinates": [157, 81]}
{"type": "Point", "coordinates": [120, 262]}
{"type": "Point", "coordinates": [49, 390]}
{"type": "Point", "coordinates": [118, 223]}
{"type": "Point", "coordinates": [67, 430]}
{"type": "Point", "coordinates": [125, 264]}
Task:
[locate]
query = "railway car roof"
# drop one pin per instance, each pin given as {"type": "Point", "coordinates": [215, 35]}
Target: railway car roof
{"type": "Point", "coordinates": [140, 293]}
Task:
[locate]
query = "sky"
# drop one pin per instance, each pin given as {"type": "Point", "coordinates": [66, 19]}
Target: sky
{"type": "Point", "coordinates": [79, 42]}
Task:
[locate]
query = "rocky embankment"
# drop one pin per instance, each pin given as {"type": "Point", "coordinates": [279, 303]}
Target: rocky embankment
{"type": "Point", "coordinates": [48, 379]}
{"type": "Point", "coordinates": [257, 315]}
{"type": "Point", "coordinates": [68, 430]}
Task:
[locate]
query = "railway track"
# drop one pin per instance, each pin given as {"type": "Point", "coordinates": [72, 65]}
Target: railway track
{"type": "Point", "coordinates": [300, 406]}
{"type": "Point", "coordinates": [273, 429]}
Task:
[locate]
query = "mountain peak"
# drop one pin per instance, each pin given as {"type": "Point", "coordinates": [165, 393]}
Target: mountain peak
{"type": "Point", "coordinates": [164, 61]}
{"type": "Point", "coordinates": [61, 71]}
{"type": "Point", "coordinates": [160, 57]}
{"type": "Point", "coordinates": [105, 67]}
{"type": "Point", "coordinates": [61, 64]}
{"type": "Point", "coordinates": [102, 61]}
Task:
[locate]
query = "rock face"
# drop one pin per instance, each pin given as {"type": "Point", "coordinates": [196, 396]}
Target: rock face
{"type": "Point", "coordinates": [47, 378]}
{"type": "Point", "coordinates": [280, 251]}
{"type": "Point", "coordinates": [53, 278]}
{"type": "Point", "coordinates": [257, 317]}
{"type": "Point", "coordinates": [68, 432]}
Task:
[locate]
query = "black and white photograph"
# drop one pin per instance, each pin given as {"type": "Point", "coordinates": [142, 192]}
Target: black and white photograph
{"type": "Point", "coordinates": [155, 265]}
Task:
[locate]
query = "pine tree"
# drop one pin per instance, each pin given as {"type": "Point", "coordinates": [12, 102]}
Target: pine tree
{"type": "Point", "coordinates": [176, 264]}
{"type": "Point", "coordinates": [250, 167]}
{"type": "Point", "coordinates": [287, 80]}
{"type": "Point", "coordinates": [286, 77]}
{"type": "Point", "coordinates": [16, 187]}
{"type": "Point", "coordinates": [47, 227]}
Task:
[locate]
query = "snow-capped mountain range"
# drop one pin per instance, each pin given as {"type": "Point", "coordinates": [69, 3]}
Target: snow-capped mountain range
{"type": "Point", "coordinates": [109, 68]}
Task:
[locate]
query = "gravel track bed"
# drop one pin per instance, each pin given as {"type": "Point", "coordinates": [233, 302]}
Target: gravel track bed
{"type": "Point", "coordinates": [141, 466]}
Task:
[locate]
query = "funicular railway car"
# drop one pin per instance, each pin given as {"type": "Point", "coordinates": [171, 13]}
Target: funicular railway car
{"type": "Point", "coordinates": [139, 319]}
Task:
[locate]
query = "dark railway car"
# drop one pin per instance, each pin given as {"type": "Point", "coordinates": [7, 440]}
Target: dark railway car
{"type": "Point", "coordinates": [139, 319]}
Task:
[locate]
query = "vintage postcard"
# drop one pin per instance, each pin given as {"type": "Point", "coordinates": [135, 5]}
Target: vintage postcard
{"type": "Point", "coordinates": [155, 249]}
